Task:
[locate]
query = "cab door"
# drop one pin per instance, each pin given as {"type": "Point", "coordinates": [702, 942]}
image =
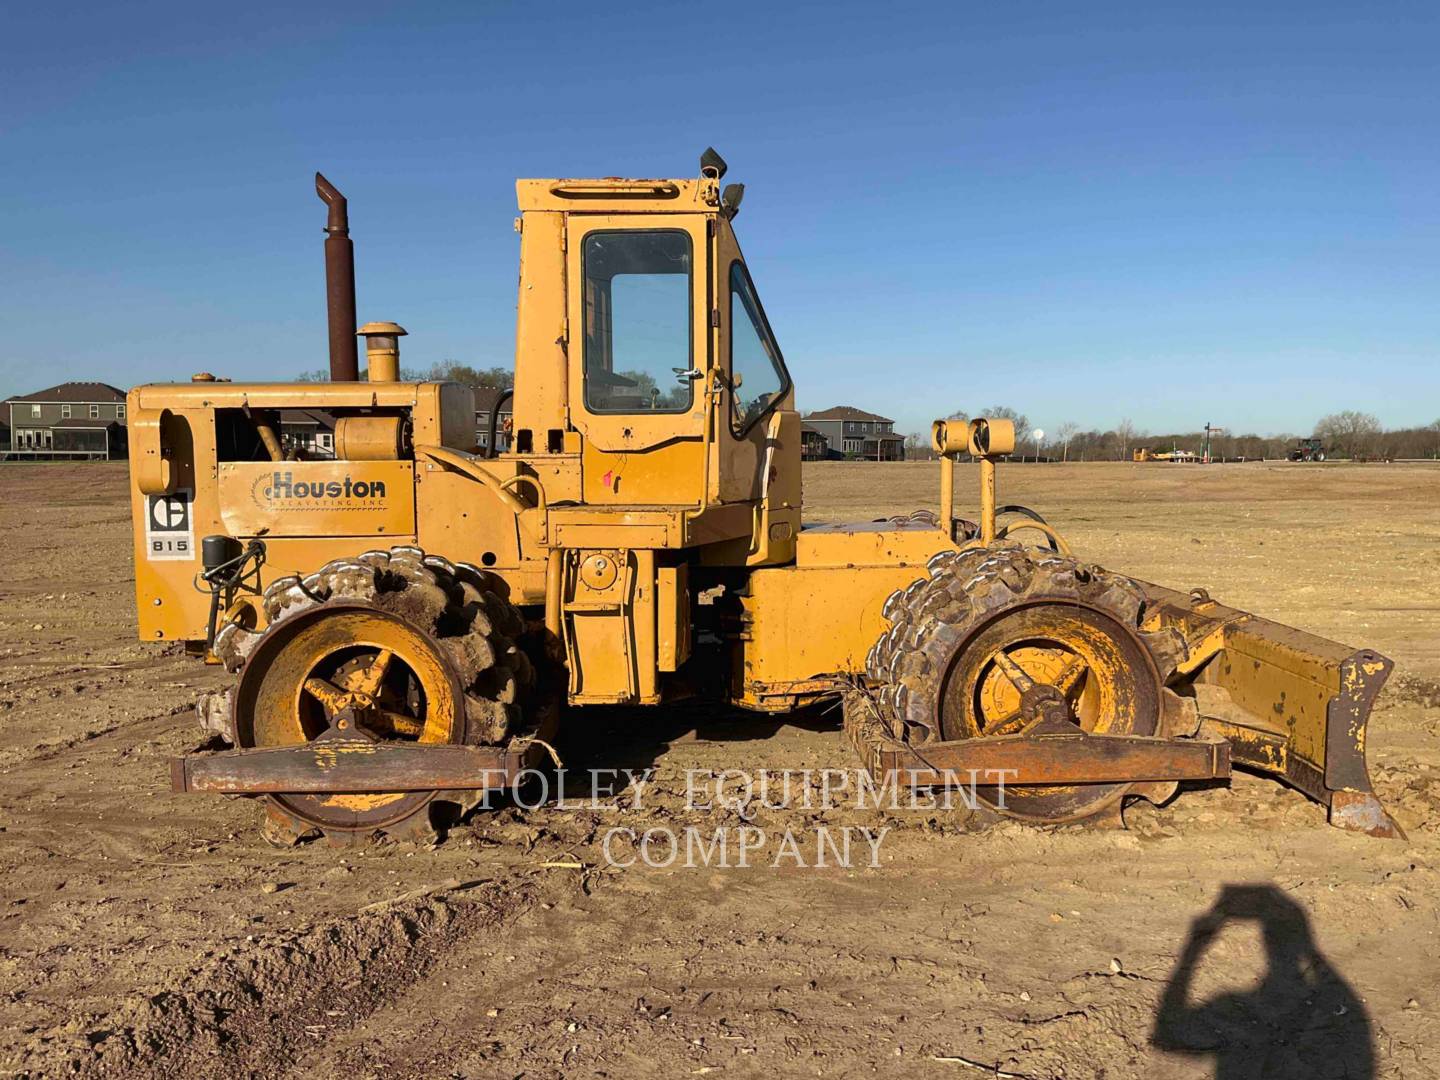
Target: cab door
{"type": "Point", "coordinates": [639, 318]}
{"type": "Point", "coordinates": [758, 403]}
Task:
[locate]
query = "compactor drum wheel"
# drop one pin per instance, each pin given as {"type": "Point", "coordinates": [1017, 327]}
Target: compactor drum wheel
{"type": "Point", "coordinates": [390, 645]}
{"type": "Point", "coordinates": [1003, 641]}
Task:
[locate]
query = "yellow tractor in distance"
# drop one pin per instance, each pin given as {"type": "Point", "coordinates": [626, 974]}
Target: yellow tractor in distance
{"type": "Point", "coordinates": [407, 620]}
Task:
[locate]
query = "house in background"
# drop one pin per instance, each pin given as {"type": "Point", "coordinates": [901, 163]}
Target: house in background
{"type": "Point", "coordinates": [813, 446]}
{"type": "Point", "coordinates": [310, 433]}
{"type": "Point", "coordinates": [83, 420]}
{"type": "Point", "coordinates": [854, 433]}
{"type": "Point", "coordinates": [485, 397]}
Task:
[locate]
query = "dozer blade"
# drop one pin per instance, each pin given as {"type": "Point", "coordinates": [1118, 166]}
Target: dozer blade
{"type": "Point", "coordinates": [1290, 703]}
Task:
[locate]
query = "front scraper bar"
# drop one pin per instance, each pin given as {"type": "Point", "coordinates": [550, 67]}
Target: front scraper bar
{"type": "Point", "coordinates": [353, 766]}
{"type": "Point", "coordinates": [1053, 759]}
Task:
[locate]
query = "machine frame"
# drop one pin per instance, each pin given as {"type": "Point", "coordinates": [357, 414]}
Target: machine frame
{"type": "Point", "coordinates": [660, 552]}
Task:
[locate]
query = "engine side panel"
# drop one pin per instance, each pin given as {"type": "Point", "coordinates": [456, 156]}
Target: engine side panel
{"type": "Point", "coordinates": [200, 469]}
{"type": "Point", "coordinates": [805, 631]}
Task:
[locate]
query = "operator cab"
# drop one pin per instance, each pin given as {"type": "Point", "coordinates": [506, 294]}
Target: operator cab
{"type": "Point", "coordinates": [642, 346]}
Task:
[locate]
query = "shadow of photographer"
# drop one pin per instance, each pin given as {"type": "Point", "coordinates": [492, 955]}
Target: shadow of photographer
{"type": "Point", "coordinates": [1300, 1022]}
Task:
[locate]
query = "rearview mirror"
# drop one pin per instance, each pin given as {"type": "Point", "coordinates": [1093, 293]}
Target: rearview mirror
{"type": "Point", "coordinates": [730, 199]}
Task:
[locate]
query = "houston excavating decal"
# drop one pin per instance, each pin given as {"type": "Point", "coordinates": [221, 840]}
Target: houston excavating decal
{"type": "Point", "coordinates": [281, 491]}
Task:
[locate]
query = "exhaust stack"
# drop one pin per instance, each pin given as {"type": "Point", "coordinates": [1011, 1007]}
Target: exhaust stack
{"type": "Point", "coordinates": [339, 284]}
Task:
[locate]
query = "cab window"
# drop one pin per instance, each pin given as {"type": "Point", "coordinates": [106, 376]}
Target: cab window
{"type": "Point", "coordinates": [638, 322]}
{"type": "Point", "coordinates": [755, 361]}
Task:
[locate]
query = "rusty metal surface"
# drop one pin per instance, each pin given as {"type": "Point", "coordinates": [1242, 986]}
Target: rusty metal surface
{"type": "Point", "coordinates": [276, 701]}
{"type": "Point", "coordinates": [1002, 642]}
{"type": "Point", "coordinates": [1078, 683]}
{"type": "Point", "coordinates": [1043, 759]}
{"type": "Point", "coordinates": [309, 678]}
{"type": "Point", "coordinates": [334, 689]}
{"type": "Point", "coordinates": [1263, 695]}
{"type": "Point", "coordinates": [1361, 811]}
{"type": "Point", "coordinates": [1100, 669]}
{"type": "Point", "coordinates": [366, 655]}
{"type": "Point", "coordinates": [348, 766]}
{"type": "Point", "coordinates": [1054, 759]}
{"type": "Point", "coordinates": [1291, 703]}
{"type": "Point", "coordinates": [339, 284]}
{"type": "Point", "coordinates": [1361, 678]}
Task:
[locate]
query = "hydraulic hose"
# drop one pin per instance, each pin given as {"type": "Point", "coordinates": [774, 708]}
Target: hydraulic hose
{"type": "Point", "coordinates": [1057, 544]}
{"type": "Point", "coordinates": [504, 396]}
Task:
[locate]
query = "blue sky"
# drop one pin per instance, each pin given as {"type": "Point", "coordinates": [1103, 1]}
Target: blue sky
{"type": "Point", "coordinates": [1172, 213]}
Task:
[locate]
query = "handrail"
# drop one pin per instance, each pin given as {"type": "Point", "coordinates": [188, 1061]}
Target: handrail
{"type": "Point", "coordinates": [541, 503]}
{"type": "Point", "coordinates": [658, 189]}
{"type": "Point", "coordinates": [707, 437]}
{"type": "Point", "coordinates": [772, 440]}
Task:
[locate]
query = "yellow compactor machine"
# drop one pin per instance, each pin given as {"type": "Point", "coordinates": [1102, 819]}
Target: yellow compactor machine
{"type": "Point", "coordinates": [407, 619]}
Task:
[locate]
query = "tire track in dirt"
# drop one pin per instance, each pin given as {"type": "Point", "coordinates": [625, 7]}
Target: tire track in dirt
{"type": "Point", "coordinates": [108, 670]}
{"type": "Point", "coordinates": [659, 974]}
{"type": "Point", "coordinates": [671, 975]}
{"type": "Point", "coordinates": [254, 1010]}
{"type": "Point", "coordinates": [143, 934]}
{"type": "Point", "coordinates": [125, 731]}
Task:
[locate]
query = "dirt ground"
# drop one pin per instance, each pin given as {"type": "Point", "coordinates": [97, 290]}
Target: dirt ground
{"type": "Point", "coordinates": [1229, 933]}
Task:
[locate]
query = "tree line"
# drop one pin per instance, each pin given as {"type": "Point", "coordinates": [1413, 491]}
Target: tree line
{"type": "Point", "coordinates": [1348, 434]}
{"type": "Point", "coordinates": [496, 378]}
